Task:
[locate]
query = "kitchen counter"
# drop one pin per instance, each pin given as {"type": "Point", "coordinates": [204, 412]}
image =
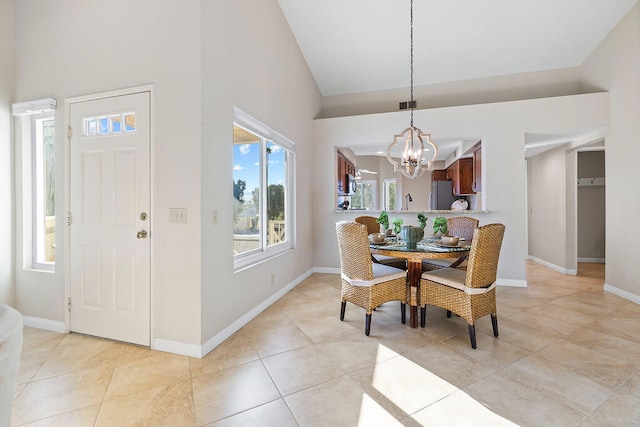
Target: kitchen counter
{"type": "Point", "coordinates": [377, 213]}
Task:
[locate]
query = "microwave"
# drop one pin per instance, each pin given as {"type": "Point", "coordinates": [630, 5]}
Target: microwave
{"type": "Point", "coordinates": [351, 184]}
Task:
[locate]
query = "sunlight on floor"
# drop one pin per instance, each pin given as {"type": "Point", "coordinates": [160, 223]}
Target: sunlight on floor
{"type": "Point", "coordinates": [404, 385]}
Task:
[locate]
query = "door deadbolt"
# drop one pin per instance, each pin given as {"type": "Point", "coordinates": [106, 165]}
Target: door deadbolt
{"type": "Point", "coordinates": [142, 234]}
{"type": "Point", "coordinates": [143, 216]}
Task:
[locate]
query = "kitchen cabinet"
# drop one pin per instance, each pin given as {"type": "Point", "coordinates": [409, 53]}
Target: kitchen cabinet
{"type": "Point", "coordinates": [476, 186]}
{"type": "Point", "coordinates": [346, 172]}
{"type": "Point", "coordinates": [439, 175]}
{"type": "Point", "coordinates": [461, 175]}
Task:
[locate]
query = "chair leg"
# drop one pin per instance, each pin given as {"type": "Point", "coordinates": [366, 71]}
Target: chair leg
{"type": "Point", "coordinates": [449, 314]}
{"type": "Point", "coordinates": [343, 306]}
{"type": "Point", "coordinates": [367, 324]}
{"type": "Point", "coordinates": [472, 335]}
{"type": "Point", "coordinates": [403, 312]}
{"type": "Point", "coordinates": [494, 323]}
{"type": "Point", "coordinates": [423, 316]}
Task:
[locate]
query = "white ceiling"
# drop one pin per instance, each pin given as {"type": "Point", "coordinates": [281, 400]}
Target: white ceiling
{"type": "Point", "coordinates": [356, 46]}
{"type": "Point", "coordinates": [363, 45]}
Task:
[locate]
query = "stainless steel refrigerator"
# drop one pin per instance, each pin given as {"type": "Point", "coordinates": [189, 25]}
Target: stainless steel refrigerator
{"type": "Point", "coordinates": [441, 196]}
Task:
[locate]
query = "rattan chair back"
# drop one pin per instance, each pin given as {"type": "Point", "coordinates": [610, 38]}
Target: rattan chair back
{"type": "Point", "coordinates": [353, 245]}
{"type": "Point", "coordinates": [483, 256]}
{"type": "Point", "coordinates": [371, 222]}
{"type": "Point", "coordinates": [462, 226]}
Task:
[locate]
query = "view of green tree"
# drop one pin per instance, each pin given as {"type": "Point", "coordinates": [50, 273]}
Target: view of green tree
{"type": "Point", "coordinates": [275, 201]}
{"type": "Point", "coordinates": [238, 196]}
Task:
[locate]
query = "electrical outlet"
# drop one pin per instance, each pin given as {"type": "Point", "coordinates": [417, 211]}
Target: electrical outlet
{"type": "Point", "coordinates": [178, 215]}
{"type": "Point", "coordinates": [214, 217]}
{"type": "Point", "coordinates": [273, 278]}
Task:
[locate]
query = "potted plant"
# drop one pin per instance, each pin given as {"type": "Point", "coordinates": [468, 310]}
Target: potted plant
{"type": "Point", "coordinates": [397, 225]}
{"type": "Point", "coordinates": [422, 220]}
{"type": "Point", "coordinates": [383, 220]}
{"type": "Point", "coordinates": [440, 226]}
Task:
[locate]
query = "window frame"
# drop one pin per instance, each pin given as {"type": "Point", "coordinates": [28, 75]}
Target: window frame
{"type": "Point", "coordinates": [36, 196]}
{"type": "Point", "coordinates": [387, 183]}
{"type": "Point", "coordinates": [266, 133]}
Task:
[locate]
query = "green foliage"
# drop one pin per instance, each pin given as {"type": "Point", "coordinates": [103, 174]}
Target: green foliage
{"type": "Point", "coordinates": [440, 224]}
{"type": "Point", "coordinates": [422, 220]}
{"type": "Point", "coordinates": [397, 225]}
{"type": "Point", "coordinates": [275, 201]}
{"type": "Point", "coordinates": [383, 220]}
{"type": "Point", "coordinates": [238, 196]}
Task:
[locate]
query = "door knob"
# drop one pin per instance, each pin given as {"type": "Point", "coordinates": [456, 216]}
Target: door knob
{"type": "Point", "coordinates": [142, 234]}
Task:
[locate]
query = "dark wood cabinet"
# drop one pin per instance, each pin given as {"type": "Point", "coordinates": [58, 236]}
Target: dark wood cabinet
{"type": "Point", "coordinates": [476, 186]}
{"type": "Point", "coordinates": [439, 175]}
{"type": "Point", "coordinates": [461, 175]}
{"type": "Point", "coordinates": [345, 170]}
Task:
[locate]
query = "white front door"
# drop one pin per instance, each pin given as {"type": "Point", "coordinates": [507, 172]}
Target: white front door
{"type": "Point", "coordinates": [110, 216]}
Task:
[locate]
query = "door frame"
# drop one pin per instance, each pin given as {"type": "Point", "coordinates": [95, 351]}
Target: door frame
{"type": "Point", "coordinates": [150, 88]}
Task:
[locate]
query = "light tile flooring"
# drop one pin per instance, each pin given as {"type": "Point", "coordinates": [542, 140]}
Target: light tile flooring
{"type": "Point", "coordinates": [568, 354]}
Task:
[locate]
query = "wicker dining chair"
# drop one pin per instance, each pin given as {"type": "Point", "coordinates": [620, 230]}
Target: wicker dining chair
{"type": "Point", "coordinates": [371, 222]}
{"type": "Point", "coordinates": [460, 226]}
{"type": "Point", "coordinates": [364, 283]}
{"type": "Point", "coordinates": [470, 294]}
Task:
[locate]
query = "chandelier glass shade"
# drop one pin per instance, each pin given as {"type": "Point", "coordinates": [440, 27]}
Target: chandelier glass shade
{"type": "Point", "coordinates": [412, 163]}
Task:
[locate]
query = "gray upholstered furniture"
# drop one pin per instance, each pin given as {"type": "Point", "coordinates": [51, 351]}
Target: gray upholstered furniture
{"type": "Point", "coordinates": [10, 350]}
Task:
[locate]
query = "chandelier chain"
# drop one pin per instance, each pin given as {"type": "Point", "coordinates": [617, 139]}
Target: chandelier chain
{"type": "Point", "coordinates": [411, 66]}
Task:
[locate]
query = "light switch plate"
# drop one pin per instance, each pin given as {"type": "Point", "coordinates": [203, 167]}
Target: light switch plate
{"type": "Point", "coordinates": [178, 215]}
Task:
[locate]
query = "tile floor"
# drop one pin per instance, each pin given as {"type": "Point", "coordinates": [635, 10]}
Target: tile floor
{"type": "Point", "coordinates": [568, 355]}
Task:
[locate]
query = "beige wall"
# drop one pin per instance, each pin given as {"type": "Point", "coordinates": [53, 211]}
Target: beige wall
{"type": "Point", "coordinates": [502, 127]}
{"type": "Point", "coordinates": [547, 207]}
{"type": "Point", "coordinates": [615, 66]}
{"type": "Point", "coordinates": [68, 48]}
{"type": "Point", "coordinates": [251, 61]}
{"type": "Point", "coordinates": [540, 84]}
{"type": "Point", "coordinates": [6, 152]}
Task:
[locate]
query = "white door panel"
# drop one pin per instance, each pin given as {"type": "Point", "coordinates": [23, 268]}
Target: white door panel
{"type": "Point", "coordinates": [109, 192]}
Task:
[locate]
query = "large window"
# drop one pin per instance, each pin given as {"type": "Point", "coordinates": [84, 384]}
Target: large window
{"type": "Point", "coordinates": [263, 171]}
{"type": "Point", "coordinates": [365, 195]}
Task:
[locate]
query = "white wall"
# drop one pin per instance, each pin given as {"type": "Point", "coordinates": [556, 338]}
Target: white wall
{"type": "Point", "coordinates": [502, 127]}
{"type": "Point", "coordinates": [539, 84]}
{"type": "Point", "coordinates": [251, 60]}
{"type": "Point", "coordinates": [6, 152]}
{"type": "Point", "coordinates": [68, 48]}
{"type": "Point", "coordinates": [548, 207]}
{"type": "Point", "coordinates": [615, 66]}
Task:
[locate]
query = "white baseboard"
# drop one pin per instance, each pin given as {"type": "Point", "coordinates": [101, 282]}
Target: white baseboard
{"type": "Point", "coordinates": [511, 282]}
{"type": "Point", "coordinates": [592, 260]}
{"type": "Point", "coordinates": [622, 293]}
{"type": "Point", "coordinates": [568, 271]}
{"type": "Point", "coordinates": [176, 347]}
{"type": "Point", "coordinates": [219, 338]}
{"type": "Point", "coordinates": [326, 270]}
{"type": "Point", "coordinates": [46, 324]}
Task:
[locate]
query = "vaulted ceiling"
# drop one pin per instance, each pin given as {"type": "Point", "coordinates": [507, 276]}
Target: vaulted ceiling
{"type": "Point", "coordinates": [363, 45]}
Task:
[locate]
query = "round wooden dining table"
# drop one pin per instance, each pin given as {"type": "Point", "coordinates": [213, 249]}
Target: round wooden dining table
{"type": "Point", "coordinates": [414, 257]}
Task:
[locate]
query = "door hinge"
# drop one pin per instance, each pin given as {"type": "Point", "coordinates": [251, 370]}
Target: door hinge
{"type": "Point", "coordinates": [68, 218]}
{"type": "Point", "coordinates": [69, 304]}
{"type": "Point", "coordinates": [69, 133]}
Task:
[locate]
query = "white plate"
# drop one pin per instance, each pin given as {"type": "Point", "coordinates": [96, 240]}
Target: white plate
{"type": "Point", "coordinates": [459, 205]}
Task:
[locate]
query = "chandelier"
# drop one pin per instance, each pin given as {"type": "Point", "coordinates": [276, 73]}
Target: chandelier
{"type": "Point", "coordinates": [411, 163]}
